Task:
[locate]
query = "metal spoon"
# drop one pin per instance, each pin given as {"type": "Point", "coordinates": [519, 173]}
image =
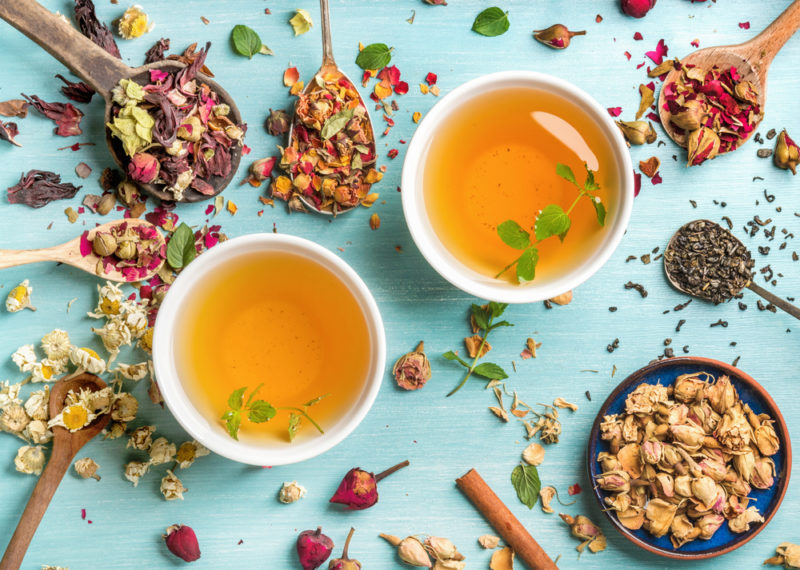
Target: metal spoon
{"type": "Point", "coordinates": [103, 72]}
{"type": "Point", "coordinates": [329, 67]}
{"type": "Point", "coordinates": [766, 295]}
{"type": "Point", "coordinates": [66, 445]}
{"type": "Point", "coordinates": [70, 253]}
{"type": "Point", "coordinates": [751, 59]}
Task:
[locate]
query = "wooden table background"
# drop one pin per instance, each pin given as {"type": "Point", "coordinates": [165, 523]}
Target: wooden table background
{"type": "Point", "coordinates": [233, 507]}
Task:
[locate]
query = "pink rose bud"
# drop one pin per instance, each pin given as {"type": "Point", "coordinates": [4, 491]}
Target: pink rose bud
{"type": "Point", "coordinates": [182, 542]}
{"type": "Point", "coordinates": [313, 548]}
{"type": "Point", "coordinates": [556, 36]}
{"type": "Point", "coordinates": [143, 168]}
{"type": "Point", "coordinates": [359, 489]}
{"type": "Point", "coordinates": [637, 8]}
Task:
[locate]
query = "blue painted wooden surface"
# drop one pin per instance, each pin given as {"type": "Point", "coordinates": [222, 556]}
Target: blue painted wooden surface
{"type": "Point", "coordinates": [227, 502]}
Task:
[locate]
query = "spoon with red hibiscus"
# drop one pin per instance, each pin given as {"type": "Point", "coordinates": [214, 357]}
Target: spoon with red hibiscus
{"type": "Point", "coordinates": [176, 132]}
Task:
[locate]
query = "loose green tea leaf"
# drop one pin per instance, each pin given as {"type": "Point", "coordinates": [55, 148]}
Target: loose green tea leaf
{"type": "Point", "coordinates": [336, 123]}
{"type": "Point", "coordinates": [513, 235]}
{"type": "Point", "coordinates": [301, 22]}
{"type": "Point", "coordinates": [552, 221]}
{"type": "Point", "coordinates": [374, 56]}
{"type": "Point", "coordinates": [566, 173]}
{"type": "Point", "coordinates": [526, 264]}
{"type": "Point", "coordinates": [260, 411]}
{"type": "Point", "coordinates": [491, 22]}
{"type": "Point", "coordinates": [180, 249]}
{"type": "Point", "coordinates": [525, 479]}
{"type": "Point", "coordinates": [246, 41]}
{"type": "Point", "coordinates": [490, 370]}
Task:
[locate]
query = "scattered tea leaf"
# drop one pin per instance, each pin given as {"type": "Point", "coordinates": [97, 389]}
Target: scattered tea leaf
{"type": "Point", "coordinates": [246, 42]}
{"type": "Point", "coordinates": [180, 249]}
{"type": "Point", "coordinates": [374, 56]}
{"type": "Point", "coordinates": [525, 479]}
{"type": "Point", "coordinates": [491, 22]}
{"type": "Point", "coordinates": [480, 316]}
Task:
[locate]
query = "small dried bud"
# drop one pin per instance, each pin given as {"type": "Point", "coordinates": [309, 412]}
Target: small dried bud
{"type": "Point", "coordinates": [104, 244]}
{"type": "Point", "coordinates": [313, 548]}
{"type": "Point", "coordinates": [359, 489]}
{"type": "Point", "coordinates": [291, 492]}
{"type": "Point", "coordinates": [278, 122]}
{"type": "Point", "coordinates": [141, 438]}
{"type": "Point", "coordinates": [182, 542]}
{"type": "Point", "coordinates": [586, 530]}
{"type": "Point", "coordinates": [651, 451]}
{"type": "Point", "coordinates": [442, 549]}
{"type": "Point", "coordinates": [126, 250]}
{"type": "Point", "coordinates": [86, 468]}
{"type": "Point", "coordinates": [638, 132]}
{"type": "Point", "coordinates": [106, 203]}
{"type": "Point", "coordinates": [345, 563]}
{"type": "Point", "coordinates": [374, 221]}
{"type": "Point", "coordinates": [787, 554]}
{"type": "Point", "coordinates": [128, 193]}
{"type": "Point", "coordinates": [746, 91]}
{"type": "Point", "coordinates": [709, 524]}
{"type": "Point", "coordinates": [614, 481]}
{"type": "Point", "coordinates": [143, 168]}
{"type": "Point", "coordinates": [787, 154]}
{"type": "Point", "coordinates": [412, 370]}
{"type": "Point", "coordinates": [546, 495]}
{"type": "Point", "coordinates": [691, 116]}
{"type": "Point", "coordinates": [533, 454]}
{"type": "Point", "coordinates": [261, 169]}
{"type": "Point", "coordinates": [702, 144]}
{"type": "Point", "coordinates": [556, 36]}
{"type": "Point", "coordinates": [637, 8]}
{"type": "Point", "coordinates": [763, 473]}
{"type": "Point", "coordinates": [411, 551]}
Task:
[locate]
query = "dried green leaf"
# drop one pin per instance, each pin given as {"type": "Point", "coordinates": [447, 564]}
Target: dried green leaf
{"type": "Point", "coordinates": [526, 482]}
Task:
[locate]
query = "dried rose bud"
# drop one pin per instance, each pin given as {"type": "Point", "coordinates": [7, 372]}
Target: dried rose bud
{"type": "Point", "coordinates": [126, 250]}
{"type": "Point", "coordinates": [442, 548]}
{"type": "Point", "coordinates": [182, 542]}
{"type": "Point", "coordinates": [278, 122]}
{"type": "Point", "coordinates": [345, 563]}
{"type": "Point", "coordinates": [104, 244]}
{"type": "Point", "coordinates": [313, 548]}
{"type": "Point", "coordinates": [436, 2]}
{"type": "Point", "coordinates": [691, 116]}
{"type": "Point", "coordinates": [143, 167]}
{"type": "Point", "coordinates": [586, 530]}
{"type": "Point", "coordinates": [412, 370]}
{"type": "Point", "coordinates": [637, 8]}
{"type": "Point", "coordinates": [702, 144]}
{"type": "Point", "coordinates": [614, 481]}
{"type": "Point", "coordinates": [638, 132]}
{"type": "Point", "coordinates": [556, 36]}
{"type": "Point", "coordinates": [709, 524]}
{"type": "Point", "coordinates": [659, 515]}
{"type": "Point", "coordinates": [261, 169]}
{"type": "Point", "coordinates": [359, 489]}
{"type": "Point", "coordinates": [763, 473]}
{"type": "Point", "coordinates": [786, 554]}
{"type": "Point", "coordinates": [786, 154]}
{"type": "Point", "coordinates": [411, 551]}
{"type": "Point", "coordinates": [651, 451]}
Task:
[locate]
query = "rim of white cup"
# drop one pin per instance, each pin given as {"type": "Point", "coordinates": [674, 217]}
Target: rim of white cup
{"type": "Point", "coordinates": [434, 250]}
{"type": "Point", "coordinates": [210, 432]}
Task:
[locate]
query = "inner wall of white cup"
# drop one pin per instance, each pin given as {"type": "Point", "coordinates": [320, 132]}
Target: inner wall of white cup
{"type": "Point", "coordinates": [209, 431]}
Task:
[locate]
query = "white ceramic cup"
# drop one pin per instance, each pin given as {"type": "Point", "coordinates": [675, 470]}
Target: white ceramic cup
{"type": "Point", "coordinates": [210, 431]}
{"type": "Point", "coordinates": [419, 222]}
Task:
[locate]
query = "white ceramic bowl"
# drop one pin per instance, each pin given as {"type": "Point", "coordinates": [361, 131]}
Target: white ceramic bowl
{"type": "Point", "coordinates": [210, 431]}
{"type": "Point", "coordinates": [419, 223]}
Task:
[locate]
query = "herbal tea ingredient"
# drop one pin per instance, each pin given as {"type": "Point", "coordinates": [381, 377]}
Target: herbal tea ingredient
{"type": "Point", "coordinates": [313, 548]}
{"type": "Point", "coordinates": [502, 559]}
{"type": "Point", "coordinates": [133, 23]}
{"type": "Point", "coordinates": [556, 36]}
{"type": "Point", "coordinates": [182, 542]}
{"type": "Point", "coordinates": [587, 531]}
{"type": "Point", "coordinates": [345, 563]}
{"type": "Point", "coordinates": [552, 220]}
{"type": "Point", "coordinates": [787, 154]}
{"type": "Point", "coordinates": [132, 249]}
{"type": "Point", "coordinates": [291, 492]}
{"type": "Point", "coordinates": [427, 551]}
{"type": "Point", "coordinates": [682, 459]}
{"type": "Point", "coordinates": [359, 489]}
{"type": "Point", "coordinates": [87, 468]}
{"type": "Point", "coordinates": [786, 555]}
{"type": "Point", "coordinates": [8, 132]}
{"type": "Point", "coordinates": [412, 370]}
{"type": "Point", "coordinates": [19, 298]}
{"type": "Point", "coordinates": [637, 8]}
{"type": "Point", "coordinates": [38, 188]}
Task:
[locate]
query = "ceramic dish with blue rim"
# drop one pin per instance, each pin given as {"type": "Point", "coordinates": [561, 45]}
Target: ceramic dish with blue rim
{"type": "Point", "coordinates": [751, 393]}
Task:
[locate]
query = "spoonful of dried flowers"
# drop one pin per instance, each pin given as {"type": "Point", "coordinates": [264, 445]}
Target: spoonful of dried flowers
{"type": "Point", "coordinates": [79, 407]}
{"type": "Point", "coordinates": [712, 100]}
{"type": "Point", "coordinates": [330, 158]}
{"type": "Point", "coordinates": [124, 250]}
{"type": "Point", "coordinates": [176, 132]}
{"type": "Point", "coordinates": [706, 261]}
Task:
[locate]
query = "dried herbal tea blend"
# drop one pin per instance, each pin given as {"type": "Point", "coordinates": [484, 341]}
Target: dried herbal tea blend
{"type": "Point", "coordinates": [708, 261]}
{"type": "Point", "coordinates": [175, 131]}
{"type": "Point", "coordinates": [495, 159]}
{"type": "Point", "coordinates": [331, 158]}
{"type": "Point", "coordinates": [261, 319]}
{"type": "Point", "coordinates": [134, 250]}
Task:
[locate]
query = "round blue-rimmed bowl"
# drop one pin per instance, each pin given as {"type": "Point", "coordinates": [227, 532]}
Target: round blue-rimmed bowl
{"type": "Point", "coordinates": [766, 500]}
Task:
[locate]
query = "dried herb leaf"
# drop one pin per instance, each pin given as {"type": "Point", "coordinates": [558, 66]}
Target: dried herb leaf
{"type": "Point", "coordinates": [374, 56]}
{"type": "Point", "coordinates": [525, 479]}
{"type": "Point", "coordinates": [491, 22]}
{"type": "Point", "coordinates": [246, 42]}
{"type": "Point", "coordinates": [336, 123]}
{"type": "Point", "coordinates": [513, 235]}
{"type": "Point", "coordinates": [450, 355]}
{"type": "Point", "coordinates": [180, 249]}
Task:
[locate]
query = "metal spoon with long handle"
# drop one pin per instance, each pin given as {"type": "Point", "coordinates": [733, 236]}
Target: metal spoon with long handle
{"type": "Point", "coordinates": [766, 295]}
{"type": "Point", "coordinates": [103, 72]}
{"type": "Point", "coordinates": [751, 59]}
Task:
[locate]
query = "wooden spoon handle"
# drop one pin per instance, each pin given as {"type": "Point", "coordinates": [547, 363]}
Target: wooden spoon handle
{"type": "Point", "coordinates": [37, 505]}
{"type": "Point", "coordinates": [14, 257]}
{"type": "Point", "coordinates": [761, 50]}
{"type": "Point", "coordinates": [775, 300]}
{"type": "Point", "coordinates": [93, 64]}
{"type": "Point", "coordinates": [327, 43]}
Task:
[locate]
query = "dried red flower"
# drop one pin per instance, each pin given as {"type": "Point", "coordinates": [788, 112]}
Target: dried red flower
{"type": "Point", "coordinates": [574, 489]}
{"type": "Point", "coordinates": [614, 111]}
{"type": "Point", "coordinates": [638, 36]}
{"type": "Point", "coordinates": [39, 187]}
{"type": "Point", "coordinates": [8, 132]}
{"type": "Point", "coordinates": [182, 542]}
{"type": "Point", "coordinates": [156, 53]}
{"type": "Point", "coordinates": [93, 28]}
{"type": "Point", "coordinates": [637, 8]}
{"type": "Point", "coordinates": [77, 91]}
{"type": "Point", "coordinates": [66, 116]}
{"type": "Point", "coordinates": [659, 53]}
{"type": "Point", "coordinates": [359, 489]}
{"type": "Point", "coordinates": [431, 78]}
{"type": "Point", "coordinates": [313, 548]}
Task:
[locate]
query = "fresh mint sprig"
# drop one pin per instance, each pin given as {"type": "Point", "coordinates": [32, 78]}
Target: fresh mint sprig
{"type": "Point", "coordinates": [553, 220]}
{"type": "Point", "coordinates": [484, 318]}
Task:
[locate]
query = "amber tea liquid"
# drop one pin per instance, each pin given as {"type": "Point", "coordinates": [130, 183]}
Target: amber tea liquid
{"type": "Point", "coordinates": [494, 159]}
{"type": "Point", "coordinates": [282, 320]}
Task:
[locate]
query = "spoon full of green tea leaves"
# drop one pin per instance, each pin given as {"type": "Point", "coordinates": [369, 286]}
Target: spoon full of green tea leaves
{"type": "Point", "coordinates": [551, 221]}
{"type": "Point", "coordinates": [707, 261]}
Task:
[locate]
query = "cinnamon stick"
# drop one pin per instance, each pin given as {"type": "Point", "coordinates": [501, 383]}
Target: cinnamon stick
{"type": "Point", "coordinates": [504, 522]}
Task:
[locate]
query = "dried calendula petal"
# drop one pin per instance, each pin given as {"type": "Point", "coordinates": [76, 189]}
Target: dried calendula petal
{"type": "Point", "coordinates": [488, 541]}
{"type": "Point", "coordinates": [647, 100]}
{"type": "Point", "coordinates": [650, 166]}
{"type": "Point", "coordinates": [374, 221]}
{"type": "Point", "coordinates": [533, 454]}
{"type": "Point", "coordinates": [502, 559]}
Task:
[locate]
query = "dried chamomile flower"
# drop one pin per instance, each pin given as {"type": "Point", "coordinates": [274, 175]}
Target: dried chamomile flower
{"type": "Point", "coordinates": [14, 419]}
{"type": "Point", "coordinates": [135, 318]}
{"type": "Point", "coordinates": [24, 358]}
{"type": "Point", "coordinates": [134, 471]}
{"type": "Point", "coordinates": [86, 468]}
{"type": "Point", "coordinates": [188, 452]}
{"type": "Point", "coordinates": [110, 299]}
{"type": "Point", "coordinates": [787, 554]}
{"type": "Point", "coordinates": [133, 23]}
{"type": "Point", "coordinates": [146, 341]}
{"type": "Point", "coordinates": [133, 372]}
{"type": "Point", "coordinates": [87, 360]}
{"type": "Point", "coordinates": [73, 417]}
{"type": "Point", "coordinates": [36, 406]}
{"type": "Point", "coordinates": [546, 495]}
{"type": "Point", "coordinates": [37, 432]}
{"type": "Point", "coordinates": [171, 487]}
{"type": "Point", "coordinates": [162, 451]}
{"type": "Point", "coordinates": [291, 492]}
{"type": "Point", "coordinates": [114, 334]}
{"type": "Point", "coordinates": [20, 298]}
{"type": "Point", "coordinates": [114, 430]}
{"type": "Point", "coordinates": [56, 344]}
{"type": "Point", "coordinates": [533, 454]}
{"type": "Point", "coordinates": [488, 541]}
{"type": "Point", "coordinates": [562, 403]}
{"type": "Point", "coordinates": [154, 392]}
{"type": "Point", "coordinates": [47, 370]}
{"type": "Point", "coordinates": [30, 460]}
{"type": "Point", "coordinates": [9, 394]}
{"type": "Point", "coordinates": [141, 438]}
{"type": "Point", "coordinates": [124, 408]}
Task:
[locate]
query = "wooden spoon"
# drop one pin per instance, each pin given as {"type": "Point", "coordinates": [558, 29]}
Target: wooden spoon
{"type": "Point", "coordinates": [66, 445]}
{"type": "Point", "coordinates": [70, 253]}
{"type": "Point", "coordinates": [751, 59]}
{"type": "Point", "coordinates": [329, 67]}
{"type": "Point", "coordinates": [766, 295]}
{"type": "Point", "coordinates": [102, 72]}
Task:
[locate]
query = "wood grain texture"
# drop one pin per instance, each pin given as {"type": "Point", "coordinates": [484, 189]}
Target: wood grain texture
{"type": "Point", "coordinates": [443, 438]}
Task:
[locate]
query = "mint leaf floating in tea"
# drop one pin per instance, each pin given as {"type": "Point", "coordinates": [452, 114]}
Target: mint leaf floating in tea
{"type": "Point", "coordinates": [359, 489]}
{"type": "Point", "coordinates": [374, 56]}
{"type": "Point", "coordinates": [491, 22]}
{"type": "Point", "coordinates": [525, 479]}
{"type": "Point", "coordinates": [246, 42]}
{"type": "Point", "coordinates": [181, 249]}
{"type": "Point", "coordinates": [551, 221]}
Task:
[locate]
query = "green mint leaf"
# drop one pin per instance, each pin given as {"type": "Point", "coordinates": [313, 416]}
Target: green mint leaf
{"type": "Point", "coordinates": [336, 123]}
{"type": "Point", "coordinates": [491, 22]}
{"type": "Point", "coordinates": [236, 398]}
{"type": "Point", "coordinates": [565, 172]}
{"type": "Point", "coordinates": [497, 309]}
{"type": "Point", "coordinates": [374, 56]}
{"type": "Point", "coordinates": [480, 316]}
{"type": "Point", "coordinates": [526, 264]}
{"type": "Point", "coordinates": [261, 412]}
{"type": "Point", "coordinates": [553, 221]}
{"type": "Point", "coordinates": [526, 482]}
{"type": "Point", "coordinates": [590, 185]}
{"type": "Point", "coordinates": [232, 421]}
{"type": "Point", "coordinates": [253, 395]}
{"type": "Point", "coordinates": [500, 324]}
{"type": "Point", "coordinates": [246, 41]}
{"type": "Point", "coordinates": [599, 209]}
{"type": "Point", "coordinates": [294, 425]}
{"type": "Point", "coordinates": [450, 355]}
{"type": "Point", "coordinates": [513, 235]}
{"type": "Point", "coordinates": [180, 249]}
{"type": "Point", "coordinates": [315, 401]}
{"type": "Point", "coordinates": [490, 370]}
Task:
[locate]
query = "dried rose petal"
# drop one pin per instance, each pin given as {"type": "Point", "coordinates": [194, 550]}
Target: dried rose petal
{"type": "Point", "coordinates": [614, 111]}
{"type": "Point", "coordinates": [66, 116]}
{"type": "Point", "coordinates": [659, 53]}
{"type": "Point", "coordinates": [8, 132]}
{"type": "Point", "coordinates": [14, 108]}
{"type": "Point", "coordinates": [156, 53]}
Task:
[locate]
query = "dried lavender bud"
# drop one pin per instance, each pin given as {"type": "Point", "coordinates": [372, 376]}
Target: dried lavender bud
{"type": "Point", "coordinates": [38, 188]}
{"type": "Point", "coordinates": [93, 29]}
{"type": "Point", "coordinates": [182, 542]}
